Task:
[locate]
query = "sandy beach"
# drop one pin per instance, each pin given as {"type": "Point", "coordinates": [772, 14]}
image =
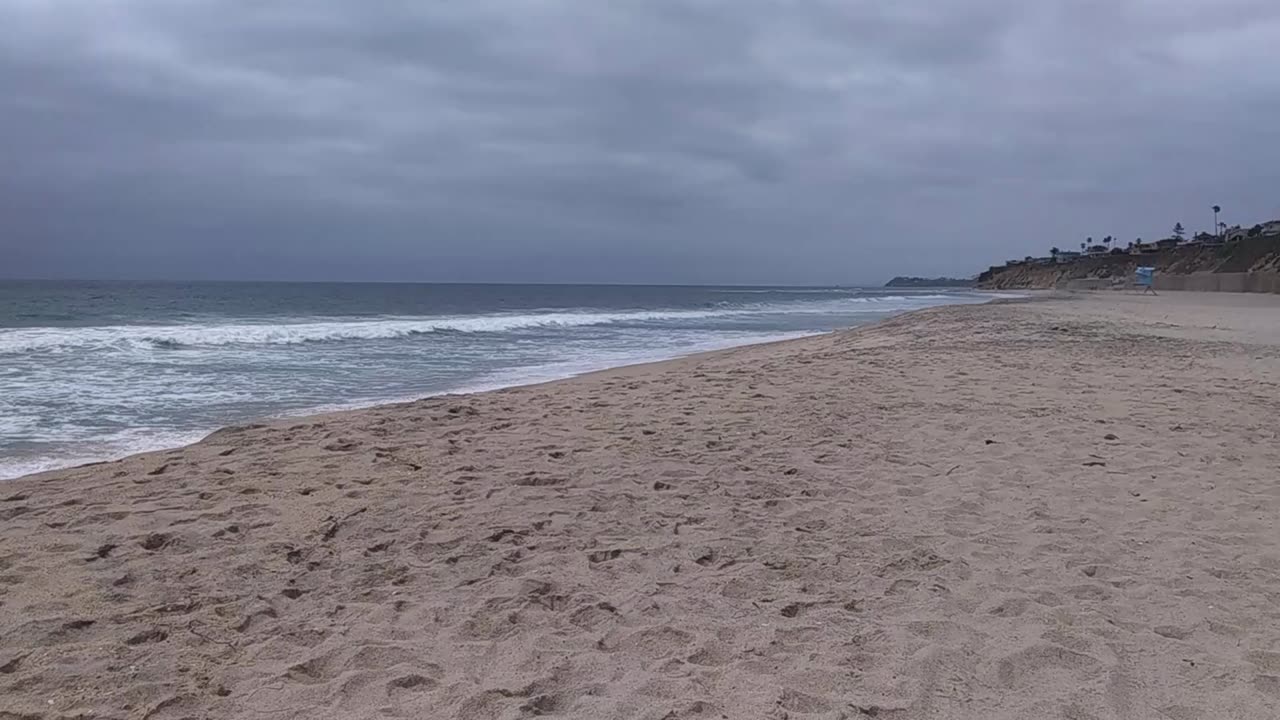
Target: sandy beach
{"type": "Point", "coordinates": [1057, 509]}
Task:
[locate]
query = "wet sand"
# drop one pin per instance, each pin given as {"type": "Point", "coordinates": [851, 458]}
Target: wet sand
{"type": "Point", "coordinates": [1058, 509]}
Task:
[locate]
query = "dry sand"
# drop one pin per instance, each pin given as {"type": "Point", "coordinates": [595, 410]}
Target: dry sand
{"type": "Point", "coordinates": [1063, 509]}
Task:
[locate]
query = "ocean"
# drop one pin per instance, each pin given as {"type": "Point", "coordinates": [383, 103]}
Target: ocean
{"type": "Point", "coordinates": [96, 370]}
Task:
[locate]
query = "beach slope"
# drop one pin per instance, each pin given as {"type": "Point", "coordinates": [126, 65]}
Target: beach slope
{"type": "Point", "coordinates": [1059, 509]}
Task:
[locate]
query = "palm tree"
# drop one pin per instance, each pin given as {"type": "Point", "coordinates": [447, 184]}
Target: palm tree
{"type": "Point", "coordinates": [1053, 252]}
{"type": "Point", "coordinates": [1216, 209]}
{"type": "Point", "coordinates": [1084, 246]}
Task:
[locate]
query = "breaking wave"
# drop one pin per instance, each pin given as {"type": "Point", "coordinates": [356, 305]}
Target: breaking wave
{"type": "Point", "coordinates": [317, 330]}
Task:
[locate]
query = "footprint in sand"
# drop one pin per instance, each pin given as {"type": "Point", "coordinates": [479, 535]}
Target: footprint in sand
{"type": "Point", "coordinates": [156, 542]}
{"type": "Point", "coordinates": [711, 655]}
{"type": "Point", "coordinates": [1020, 668]}
{"type": "Point", "coordinates": [655, 642]}
{"type": "Point", "coordinates": [317, 670]}
{"type": "Point", "coordinates": [146, 637]}
{"type": "Point", "coordinates": [798, 702]}
{"type": "Point", "coordinates": [1265, 661]}
{"type": "Point", "coordinates": [424, 679]}
{"type": "Point", "coordinates": [1268, 685]}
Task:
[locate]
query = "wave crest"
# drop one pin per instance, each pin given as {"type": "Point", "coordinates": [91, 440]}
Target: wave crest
{"type": "Point", "coordinates": [171, 337]}
{"type": "Point", "coordinates": [176, 337]}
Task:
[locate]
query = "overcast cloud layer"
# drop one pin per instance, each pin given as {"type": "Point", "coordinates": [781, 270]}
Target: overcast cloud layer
{"type": "Point", "coordinates": [736, 141]}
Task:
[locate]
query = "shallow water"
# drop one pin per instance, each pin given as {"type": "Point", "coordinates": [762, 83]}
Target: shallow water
{"type": "Point", "coordinates": [96, 370]}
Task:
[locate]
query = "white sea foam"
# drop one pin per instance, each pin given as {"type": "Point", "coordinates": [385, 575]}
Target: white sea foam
{"type": "Point", "coordinates": [172, 337]}
{"type": "Point", "coordinates": [75, 395]}
{"type": "Point", "coordinates": [74, 450]}
{"type": "Point", "coordinates": [107, 448]}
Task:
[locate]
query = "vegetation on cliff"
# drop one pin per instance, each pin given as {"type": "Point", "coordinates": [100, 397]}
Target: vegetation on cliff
{"type": "Point", "coordinates": [1257, 254]}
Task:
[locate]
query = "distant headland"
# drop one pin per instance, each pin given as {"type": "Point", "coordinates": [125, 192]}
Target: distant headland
{"type": "Point", "coordinates": [938, 282]}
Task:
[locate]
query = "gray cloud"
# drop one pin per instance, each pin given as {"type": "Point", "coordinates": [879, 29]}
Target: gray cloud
{"type": "Point", "coordinates": [751, 141]}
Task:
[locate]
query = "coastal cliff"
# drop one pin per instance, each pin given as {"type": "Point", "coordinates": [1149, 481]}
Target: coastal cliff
{"type": "Point", "coordinates": [1251, 264]}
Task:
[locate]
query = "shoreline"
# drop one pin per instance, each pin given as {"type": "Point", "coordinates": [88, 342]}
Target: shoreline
{"type": "Point", "coordinates": [1009, 510]}
{"type": "Point", "coordinates": [466, 390]}
{"type": "Point", "coordinates": [196, 436]}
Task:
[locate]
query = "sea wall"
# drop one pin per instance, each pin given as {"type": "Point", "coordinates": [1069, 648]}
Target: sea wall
{"type": "Point", "coordinates": [1221, 282]}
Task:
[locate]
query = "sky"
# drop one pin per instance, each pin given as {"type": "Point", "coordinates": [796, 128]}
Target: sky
{"type": "Point", "coordinates": [647, 141]}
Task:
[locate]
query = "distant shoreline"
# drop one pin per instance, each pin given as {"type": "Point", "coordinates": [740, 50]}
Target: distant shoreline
{"type": "Point", "coordinates": [938, 283]}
